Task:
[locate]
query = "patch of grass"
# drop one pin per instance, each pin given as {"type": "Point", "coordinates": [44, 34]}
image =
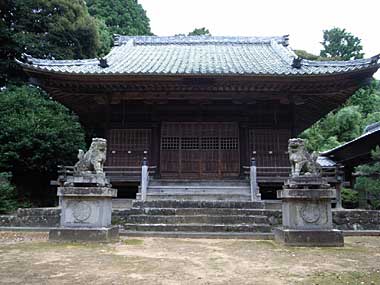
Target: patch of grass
{"type": "Point", "coordinates": [353, 277]}
{"type": "Point", "coordinates": [266, 243]}
{"type": "Point", "coordinates": [133, 242]}
{"type": "Point", "coordinates": [48, 245]}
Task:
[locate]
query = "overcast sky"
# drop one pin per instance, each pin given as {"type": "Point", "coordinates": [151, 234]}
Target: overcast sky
{"type": "Point", "coordinates": [303, 20]}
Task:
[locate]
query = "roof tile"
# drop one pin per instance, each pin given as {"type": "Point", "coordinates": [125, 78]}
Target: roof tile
{"type": "Point", "coordinates": [199, 55]}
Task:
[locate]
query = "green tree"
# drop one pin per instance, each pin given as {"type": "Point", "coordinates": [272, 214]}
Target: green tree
{"type": "Point", "coordinates": [369, 181]}
{"type": "Point", "coordinates": [200, 32]}
{"type": "Point", "coordinates": [60, 29]}
{"type": "Point", "coordinates": [307, 55]}
{"type": "Point", "coordinates": [346, 123]}
{"type": "Point", "coordinates": [367, 99]}
{"type": "Point", "coordinates": [338, 44]}
{"type": "Point", "coordinates": [126, 17]}
{"type": "Point", "coordinates": [8, 195]}
{"type": "Point", "coordinates": [105, 36]}
{"type": "Point", "coordinates": [36, 134]}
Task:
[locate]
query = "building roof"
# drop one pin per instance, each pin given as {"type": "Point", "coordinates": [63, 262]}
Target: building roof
{"type": "Point", "coordinates": [199, 55]}
{"type": "Point", "coordinates": [356, 151]}
{"type": "Point", "coordinates": [325, 161]}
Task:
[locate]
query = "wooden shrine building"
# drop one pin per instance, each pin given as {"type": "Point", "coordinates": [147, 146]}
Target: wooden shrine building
{"type": "Point", "coordinates": [200, 107]}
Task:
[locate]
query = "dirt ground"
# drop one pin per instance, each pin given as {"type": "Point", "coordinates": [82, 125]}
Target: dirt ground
{"type": "Point", "coordinates": [28, 258]}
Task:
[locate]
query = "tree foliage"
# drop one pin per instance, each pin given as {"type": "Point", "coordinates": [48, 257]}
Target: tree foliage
{"type": "Point", "coordinates": [8, 195]}
{"type": "Point", "coordinates": [60, 29]}
{"type": "Point", "coordinates": [346, 123]}
{"type": "Point", "coordinates": [200, 32]}
{"type": "Point", "coordinates": [126, 17]}
{"type": "Point", "coordinates": [37, 133]}
{"type": "Point", "coordinates": [369, 179]}
{"type": "Point", "coordinates": [307, 55]}
{"type": "Point", "coordinates": [350, 198]}
{"type": "Point", "coordinates": [338, 44]}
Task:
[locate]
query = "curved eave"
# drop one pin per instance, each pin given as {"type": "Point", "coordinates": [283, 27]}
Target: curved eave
{"type": "Point", "coordinates": [369, 68]}
{"type": "Point", "coordinates": [357, 151]}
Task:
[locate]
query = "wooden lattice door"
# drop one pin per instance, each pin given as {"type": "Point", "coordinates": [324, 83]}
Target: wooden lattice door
{"type": "Point", "coordinates": [269, 147]}
{"type": "Point", "coordinates": [126, 147]}
{"type": "Point", "coordinates": [200, 150]}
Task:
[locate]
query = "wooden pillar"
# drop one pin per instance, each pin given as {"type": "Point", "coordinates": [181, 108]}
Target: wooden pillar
{"type": "Point", "coordinates": [156, 147]}
{"type": "Point", "coordinates": [107, 116]}
{"type": "Point", "coordinates": [244, 152]}
{"type": "Point", "coordinates": [292, 117]}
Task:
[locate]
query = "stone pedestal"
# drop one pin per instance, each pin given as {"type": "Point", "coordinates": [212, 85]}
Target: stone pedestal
{"type": "Point", "coordinates": [306, 214]}
{"type": "Point", "coordinates": [86, 214]}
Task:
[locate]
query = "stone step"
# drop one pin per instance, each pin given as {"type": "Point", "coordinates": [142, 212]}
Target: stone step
{"type": "Point", "coordinates": [196, 197]}
{"type": "Point", "coordinates": [201, 228]}
{"type": "Point", "coordinates": [213, 235]}
{"type": "Point", "coordinates": [274, 204]}
{"type": "Point", "coordinates": [196, 219]}
{"type": "Point", "coordinates": [121, 203]}
{"type": "Point", "coordinates": [198, 190]}
{"type": "Point", "coordinates": [196, 211]}
{"type": "Point", "coordinates": [193, 183]}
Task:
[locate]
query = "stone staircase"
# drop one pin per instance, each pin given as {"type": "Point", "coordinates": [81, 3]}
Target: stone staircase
{"type": "Point", "coordinates": [180, 218]}
{"type": "Point", "coordinates": [202, 190]}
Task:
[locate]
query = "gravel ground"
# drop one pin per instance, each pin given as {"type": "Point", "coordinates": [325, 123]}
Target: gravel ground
{"type": "Point", "coordinates": [29, 258]}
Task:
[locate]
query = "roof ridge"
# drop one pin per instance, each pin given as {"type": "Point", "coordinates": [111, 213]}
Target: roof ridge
{"type": "Point", "coordinates": [166, 40]}
{"type": "Point", "coordinates": [354, 62]}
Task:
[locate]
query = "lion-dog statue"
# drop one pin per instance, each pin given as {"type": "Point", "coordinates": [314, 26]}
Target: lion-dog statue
{"type": "Point", "coordinates": [93, 160]}
{"type": "Point", "coordinates": [302, 163]}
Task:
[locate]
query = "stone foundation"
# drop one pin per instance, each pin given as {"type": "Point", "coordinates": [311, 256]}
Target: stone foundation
{"type": "Point", "coordinates": [350, 219]}
{"type": "Point", "coordinates": [306, 213]}
{"type": "Point", "coordinates": [84, 234]}
{"type": "Point", "coordinates": [309, 237]}
{"type": "Point", "coordinates": [85, 214]}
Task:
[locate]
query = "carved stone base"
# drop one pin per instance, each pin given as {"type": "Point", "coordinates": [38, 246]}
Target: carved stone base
{"type": "Point", "coordinates": [84, 234]}
{"type": "Point", "coordinates": [89, 207]}
{"type": "Point", "coordinates": [309, 237]}
{"type": "Point", "coordinates": [306, 215]}
{"type": "Point", "coordinates": [306, 209]}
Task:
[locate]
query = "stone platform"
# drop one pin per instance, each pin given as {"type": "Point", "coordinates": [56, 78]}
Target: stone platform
{"type": "Point", "coordinates": [309, 237]}
{"type": "Point", "coordinates": [89, 207]}
{"type": "Point", "coordinates": [84, 234]}
{"type": "Point", "coordinates": [85, 214]}
{"type": "Point", "coordinates": [306, 213]}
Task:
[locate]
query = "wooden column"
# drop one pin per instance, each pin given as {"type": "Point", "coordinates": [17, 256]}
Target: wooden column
{"type": "Point", "coordinates": [156, 147]}
{"type": "Point", "coordinates": [292, 117]}
{"type": "Point", "coordinates": [107, 116]}
{"type": "Point", "coordinates": [243, 141]}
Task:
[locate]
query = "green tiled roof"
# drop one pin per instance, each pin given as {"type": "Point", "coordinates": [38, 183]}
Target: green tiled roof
{"type": "Point", "coordinates": [199, 55]}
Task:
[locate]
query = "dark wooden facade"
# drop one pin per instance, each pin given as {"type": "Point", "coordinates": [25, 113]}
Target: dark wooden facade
{"type": "Point", "coordinates": [200, 128]}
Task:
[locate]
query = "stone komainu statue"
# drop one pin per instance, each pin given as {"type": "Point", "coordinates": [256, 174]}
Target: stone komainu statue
{"type": "Point", "coordinates": [302, 163]}
{"type": "Point", "coordinates": [93, 160]}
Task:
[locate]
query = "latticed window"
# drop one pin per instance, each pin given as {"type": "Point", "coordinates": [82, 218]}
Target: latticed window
{"type": "Point", "coordinates": [210, 143]}
{"type": "Point", "coordinates": [190, 143]}
{"type": "Point", "coordinates": [170, 143]}
{"type": "Point", "coordinates": [229, 143]}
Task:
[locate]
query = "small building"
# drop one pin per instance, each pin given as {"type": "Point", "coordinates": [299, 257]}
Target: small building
{"type": "Point", "coordinates": [355, 152]}
{"type": "Point", "coordinates": [199, 107]}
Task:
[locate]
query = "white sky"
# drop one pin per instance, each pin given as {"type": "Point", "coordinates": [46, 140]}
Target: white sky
{"type": "Point", "coordinates": [303, 20]}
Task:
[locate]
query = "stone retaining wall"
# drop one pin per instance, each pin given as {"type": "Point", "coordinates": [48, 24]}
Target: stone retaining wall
{"type": "Point", "coordinates": [49, 217]}
{"type": "Point", "coordinates": [346, 219]}
{"type": "Point", "coordinates": [356, 219]}
{"type": "Point", "coordinates": [32, 217]}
